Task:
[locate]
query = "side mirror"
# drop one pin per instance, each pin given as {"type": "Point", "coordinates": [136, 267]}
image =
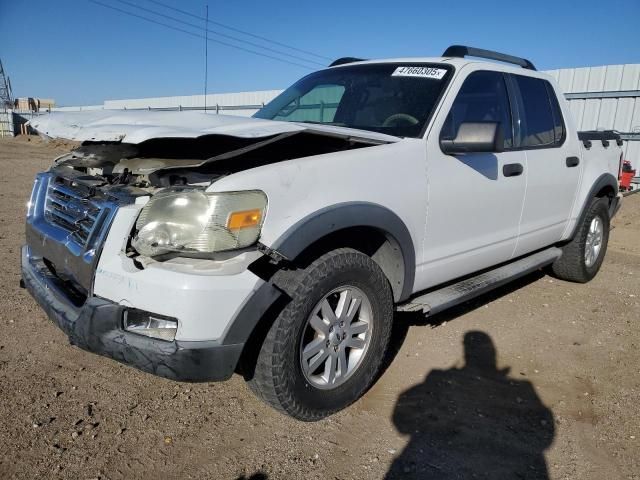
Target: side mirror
{"type": "Point", "coordinates": [475, 137]}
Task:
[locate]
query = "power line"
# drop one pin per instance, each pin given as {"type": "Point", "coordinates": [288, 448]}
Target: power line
{"type": "Point", "coordinates": [237, 30]}
{"type": "Point", "coordinates": [178, 29]}
{"type": "Point", "coordinates": [223, 35]}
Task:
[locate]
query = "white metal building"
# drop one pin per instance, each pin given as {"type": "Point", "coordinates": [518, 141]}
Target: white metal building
{"type": "Point", "coordinates": [606, 98]}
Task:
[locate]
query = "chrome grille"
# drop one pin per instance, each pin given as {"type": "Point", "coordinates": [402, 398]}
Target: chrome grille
{"type": "Point", "coordinates": [72, 210]}
{"type": "Point", "coordinates": [68, 220]}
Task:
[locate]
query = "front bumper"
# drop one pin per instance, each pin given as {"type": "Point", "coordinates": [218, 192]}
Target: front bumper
{"type": "Point", "coordinates": [96, 326]}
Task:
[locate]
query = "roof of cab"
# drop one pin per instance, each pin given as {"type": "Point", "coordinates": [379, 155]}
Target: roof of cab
{"type": "Point", "coordinates": [455, 54]}
{"type": "Point", "coordinates": [456, 62]}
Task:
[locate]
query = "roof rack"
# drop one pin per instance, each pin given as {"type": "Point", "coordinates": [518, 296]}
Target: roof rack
{"type": "Point", "coordinates": [462, 51]}
{"type": "Point", "coordinates": [344, 60]}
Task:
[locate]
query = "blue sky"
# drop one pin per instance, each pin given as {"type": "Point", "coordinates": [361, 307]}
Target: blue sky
{"type": "Point", "coordinates": [79, 52]}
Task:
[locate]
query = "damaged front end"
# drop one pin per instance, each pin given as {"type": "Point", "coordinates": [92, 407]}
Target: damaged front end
{"type": "Point", "coordinates": [133, 255]}
{"type": "Point", "coordinates": [166, 160]}
{"type": "Point", "coordinates": [170, 162]}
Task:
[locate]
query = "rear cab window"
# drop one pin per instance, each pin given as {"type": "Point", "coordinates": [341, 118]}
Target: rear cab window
{"type": "Point", "coordinates": [540, 119]}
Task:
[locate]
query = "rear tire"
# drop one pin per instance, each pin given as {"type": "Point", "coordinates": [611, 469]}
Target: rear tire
{"type": "Point", "coordinates": [325, 348]}
{"type": "Point", "coordinates": [582, 257]}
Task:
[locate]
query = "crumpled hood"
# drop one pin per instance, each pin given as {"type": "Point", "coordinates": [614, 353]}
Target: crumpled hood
{"type": "Point", "coordinates": [135, 127]}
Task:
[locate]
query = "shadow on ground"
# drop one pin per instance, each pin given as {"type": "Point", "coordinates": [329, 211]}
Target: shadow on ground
{"type": "Point", "coordinates": [403, 320]}
{"type": "Point", "coordinates": [470, 422]}
{"type": "Point", "coordinates": [255, 476]}
{"type": "Point", "coordinates": [474, 421]}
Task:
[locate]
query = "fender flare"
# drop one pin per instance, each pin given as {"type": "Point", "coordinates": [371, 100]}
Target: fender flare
{"type": "Point", "coordinates": [604, 180]}
{"type": "Point", "coordinates": [337, 217]}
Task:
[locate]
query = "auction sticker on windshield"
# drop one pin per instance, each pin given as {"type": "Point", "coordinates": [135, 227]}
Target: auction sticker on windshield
{"type": "Point", "coordinates": [422, 72]}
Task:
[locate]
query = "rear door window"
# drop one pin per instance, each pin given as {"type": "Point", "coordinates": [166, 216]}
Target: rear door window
{"type": "Point", "coordinates": [558, 122]}
{"type": "Point", "coordinates": [482, 98]}
{"type": "Point", "coordinates": [541, 123]}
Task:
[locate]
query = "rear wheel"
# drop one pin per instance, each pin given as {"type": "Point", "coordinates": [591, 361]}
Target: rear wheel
{"type": "Point", "coordinates": [326, 346]}
{"type": "Point", "coordinates": [582, 257]}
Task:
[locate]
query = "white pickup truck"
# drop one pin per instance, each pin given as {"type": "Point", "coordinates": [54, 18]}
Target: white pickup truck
{"type": "Point", "coordinates": [192, 245]}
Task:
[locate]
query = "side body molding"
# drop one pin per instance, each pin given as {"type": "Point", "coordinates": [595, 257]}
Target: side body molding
{"type": "Point", "coordinates": [346, 215]}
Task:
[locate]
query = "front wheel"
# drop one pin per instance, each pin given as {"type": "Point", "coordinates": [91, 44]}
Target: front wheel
{"type": "Point", "coordinates": [326, 346]}
{"type": "Point", "coordinates": [582, 257]}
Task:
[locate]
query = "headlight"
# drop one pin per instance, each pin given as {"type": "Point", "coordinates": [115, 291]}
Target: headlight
{"type": "Point", "coordinates": [192, 220]}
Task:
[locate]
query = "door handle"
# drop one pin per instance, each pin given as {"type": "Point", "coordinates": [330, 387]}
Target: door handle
{"type": "Point", "coordinates": [512, 169]}
{"type": "Point", "coordinates": [573, 162]}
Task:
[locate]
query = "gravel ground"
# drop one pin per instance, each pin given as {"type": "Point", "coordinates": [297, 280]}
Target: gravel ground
{"type": "Point", "coordinates": [540, 378]}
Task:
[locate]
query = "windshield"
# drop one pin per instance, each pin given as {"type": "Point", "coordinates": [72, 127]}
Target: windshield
{"type": "Point", "coordinates": [392, 98]}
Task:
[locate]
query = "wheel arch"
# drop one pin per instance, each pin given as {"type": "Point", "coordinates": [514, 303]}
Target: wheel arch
{"type": "Point", "coordinates": [605, 185]}
{"type": "Point", "coordinates": [367, 227]}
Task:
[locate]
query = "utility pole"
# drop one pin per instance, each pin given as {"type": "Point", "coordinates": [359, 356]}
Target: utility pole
{"type": "Point", "coordinates": [206, 56]}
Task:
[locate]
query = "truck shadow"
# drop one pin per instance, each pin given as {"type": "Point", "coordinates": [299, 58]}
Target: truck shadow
{"type": "Point", "coordinates": [486, 164]}
{"type": "Point", "coordinates": [472, 422]}
{"type": "Point", "coordinates": [403, 320]}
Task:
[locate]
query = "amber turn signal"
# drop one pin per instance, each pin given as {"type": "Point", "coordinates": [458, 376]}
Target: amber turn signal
{"type": "Point", "coordinates": [245, 219]}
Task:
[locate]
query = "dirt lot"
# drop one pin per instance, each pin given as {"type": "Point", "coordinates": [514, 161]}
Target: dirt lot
{"type": "Point", "coordinates": [563, 401]}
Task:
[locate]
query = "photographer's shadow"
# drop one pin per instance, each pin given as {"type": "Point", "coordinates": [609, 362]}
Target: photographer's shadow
{"type": "Point", "coordinates": [473, 422]}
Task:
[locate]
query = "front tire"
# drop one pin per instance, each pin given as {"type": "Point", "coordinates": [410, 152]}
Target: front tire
{"type": "Point", "coordinates": [325, 348]}
{"type": "Point", "coordinates": [582, 257]}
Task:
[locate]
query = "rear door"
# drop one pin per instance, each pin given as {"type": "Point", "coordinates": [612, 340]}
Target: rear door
{"type": "Point", "coordinates": [552, 162]}
{"type": "Point", "coordinates": [473, 207]}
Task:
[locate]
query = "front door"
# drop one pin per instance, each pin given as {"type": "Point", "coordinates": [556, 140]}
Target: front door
{"type": "Point", "coordinates": [474, 204]}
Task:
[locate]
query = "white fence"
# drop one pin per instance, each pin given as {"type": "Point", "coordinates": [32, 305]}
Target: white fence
{"type": "Point", "coordinates": [12, 122]}
{"type": "Point", "coordinates": [6, 123]}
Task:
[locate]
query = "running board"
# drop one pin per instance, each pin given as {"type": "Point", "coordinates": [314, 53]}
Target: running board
{"type": "Point", "coordinates": [451, 295]}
